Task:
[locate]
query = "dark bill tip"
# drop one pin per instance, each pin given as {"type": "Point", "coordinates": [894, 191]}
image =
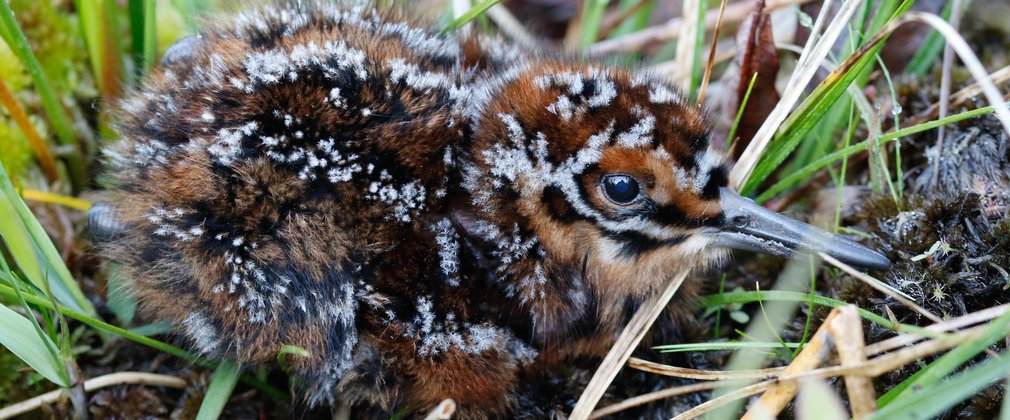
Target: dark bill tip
{"type": "Point", "coordinates": [750, 226]}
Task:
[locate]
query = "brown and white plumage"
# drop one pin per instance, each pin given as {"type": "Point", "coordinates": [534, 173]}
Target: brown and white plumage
{"type": "Point", "coordinates": [428, 216]}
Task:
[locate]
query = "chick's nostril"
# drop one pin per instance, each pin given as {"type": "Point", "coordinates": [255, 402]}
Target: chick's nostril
{"type": "Point", "coordinates": [740, 221]}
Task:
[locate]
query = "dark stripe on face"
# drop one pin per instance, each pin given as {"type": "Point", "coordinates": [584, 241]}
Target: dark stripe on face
{"type": "Point", "coordinates": [716, 179]}
{"type": "Point", "coordinates": [554, 200]}
{"type": "Point", "coordinates": [635, 243]}
{"type": "Point", "coordinates": [673, 216]}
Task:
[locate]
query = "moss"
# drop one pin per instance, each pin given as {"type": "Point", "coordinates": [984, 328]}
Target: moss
{"type": "Point", "coordinates": [17, 381]}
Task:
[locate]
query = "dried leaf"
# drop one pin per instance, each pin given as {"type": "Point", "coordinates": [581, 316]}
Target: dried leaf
{"type": "Point", "coordinates": [755, 54]}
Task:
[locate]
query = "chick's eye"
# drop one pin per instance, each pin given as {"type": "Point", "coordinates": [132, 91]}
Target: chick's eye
{"type": "Point", "coordinates": [621, 189]}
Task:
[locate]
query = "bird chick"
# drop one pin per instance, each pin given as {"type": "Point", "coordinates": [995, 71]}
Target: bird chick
{"type": "Point", "coordinates": [428, 216]}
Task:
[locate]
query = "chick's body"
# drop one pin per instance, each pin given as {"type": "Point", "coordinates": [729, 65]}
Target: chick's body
{"type": "Point", "coordinates": [422, 213]}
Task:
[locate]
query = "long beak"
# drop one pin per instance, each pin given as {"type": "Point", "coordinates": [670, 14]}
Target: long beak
{"type": "Point", "coordinates": [751, 227]}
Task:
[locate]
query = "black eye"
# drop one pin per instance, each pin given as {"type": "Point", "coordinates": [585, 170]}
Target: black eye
{"type": "Point", "coordinates": [621, 189]}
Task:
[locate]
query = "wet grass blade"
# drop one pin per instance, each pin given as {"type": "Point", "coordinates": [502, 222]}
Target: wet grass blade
{"type": "Point", "coordinates": [221, 385]}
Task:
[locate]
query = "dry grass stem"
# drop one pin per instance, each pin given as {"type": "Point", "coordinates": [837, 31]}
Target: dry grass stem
{"type": "Point", "coordinates": [711, 54]}
{"type": "Point", "coordinates": [726, 399]}
{"type": "Point", "coordinates": [656, 396]}
{"type": "Point", "coordinates": [704, 375]}
{"type": "Point", "coordinates": [968, 57]}
{"type": "Point", "coordinates": [613, 23]}
{"type": "Point", "coordinates": [847, 330]}
{"type": "Point", "coordinates": [510, 26]}
{"type": "Point", "coordinates": [860, 367]}
{"type": "Point", "coordinates": [671, 29]}
{"type": "Point", "coordinates": [948, 64]}
{"type": "Point", "coordinates": [943, 327]}
{"type": "Point", "coordinates": [104, 381]}
{"type": "Point", "coordinates": [871, 368]}
{"type": "Point", "coordinates": [686, 50]}
{"type": "Point", "coordinates": [881, 287]}
{"type": "Point", "coordinates": [807, 66]}
{"type": "Point", "coordinates": [443, 411]}
{"type": "Point", "coordinates": [623, 347]}
{"type": "Point", "coordinates": [814, 353]}
{"type": "Point", "coordinates": [972, 90]}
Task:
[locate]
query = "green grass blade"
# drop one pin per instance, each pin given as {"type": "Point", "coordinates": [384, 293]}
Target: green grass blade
{"type": "Point", "coordinates": [806, 172]}
{"type": "Point", "coordinates": [25, 338]}
{"type": "Point", "coordinates": [18, 242]}
{"type": "Point", "coordinates": [98, 324]}
{"type": "Point", "coordinates": [20, 338]}
{"type": "Point", "coordinates": [221, 386]}
{"type": "Point", "coordinates": [470, 15]}
{"type": "Point", "coordinates": [636, 22]}
{"type": "Point", "coordinates": [50, 101]}
{"type": "Point", "coordinates": [893, 393]}
{"type": "Point", "coordinates": [143, 36]}
{"type": "Point", "coordinates": [755, 296]}
{"type": "Point", "coordinates": [135, 10]}
{"type": "Point", "coordinates": [730, 138]}
{"type": "Point", "coordinates": [150, 35]}
{"type": "Point", "coordinates": [287, 349]}
{"type": "Point", "coordinates": [49, 260]}
{"type": "Point", "coordinates": [592, 20]}
{"type": "Point", "coordinates": [55, 358]}
{"type": "Point", "coordinates": [931, 401]}
{"type": "Point", "coordinates": [997, 330]}
{"type": "Point", "coordinates": [137, 337]}
{"type": "Point", "coordinates": [89, 13]}
{"type": "Point", "coordinates": [795, 128]}
{"type": "Point", "coordinates": [931, 47]}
